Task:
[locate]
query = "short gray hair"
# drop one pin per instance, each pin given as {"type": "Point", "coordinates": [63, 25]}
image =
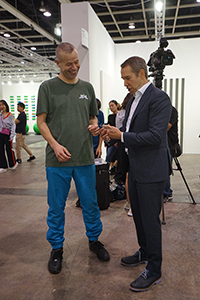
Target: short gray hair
{"type": "Point", "coordinates": [64, 47]}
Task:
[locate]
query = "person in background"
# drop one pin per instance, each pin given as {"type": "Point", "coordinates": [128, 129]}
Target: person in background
{"type": "Point", "coordinates": [111, 150]}
{"type": "Point", "coordinates": [97, 140]}
{"type": "Point", "coordinates": [66, 117]}
{"type": "Point", "coordinates": [121, 177]}
{"type": "Point", "coordinates": [7, 133]}
{"type": "Point", "coordinates": [144, 134]}
{"type": "Point", "coordinates": [21, 134]}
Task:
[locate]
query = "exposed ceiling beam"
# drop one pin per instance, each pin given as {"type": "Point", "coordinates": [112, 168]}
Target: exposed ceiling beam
{"type": "Point", "coordinates": [111, 13]}
{"type": "Point", "coordinates": [26, 20]}
{"type": "Point", "coordinates": [147, 9]}
{"type": "Point", "coordinates": [144, 16]}
{"type": "Point", "coordinates": [176, 14]}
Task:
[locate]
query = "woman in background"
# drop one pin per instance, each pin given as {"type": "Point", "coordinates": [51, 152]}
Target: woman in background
{"type": "Point", "coordinates": [7, 133]}
{"type": "Point", "coordinates": [111, 150]}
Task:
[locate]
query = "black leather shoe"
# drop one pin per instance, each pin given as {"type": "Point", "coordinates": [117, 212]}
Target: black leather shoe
{"type": "Point", "coordinates": [145, 281]}
{"type": "Point", "coordinates": [98, 248]}
{"type": "Point", "coordinates": [19, 161]}
{"type": "Point", "coordinates": [55, 261]}
{"type": "Point", "coordinates": [133, 260]}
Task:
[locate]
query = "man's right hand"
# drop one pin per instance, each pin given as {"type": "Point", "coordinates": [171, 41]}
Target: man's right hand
{"type": "Point", "coordinates": [61, 153]}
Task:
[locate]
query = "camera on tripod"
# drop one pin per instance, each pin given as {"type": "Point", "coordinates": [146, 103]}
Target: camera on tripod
{"type": "Point", "coordinates": [158, 60]}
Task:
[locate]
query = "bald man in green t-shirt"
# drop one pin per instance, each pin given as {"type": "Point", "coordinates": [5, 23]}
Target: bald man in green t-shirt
{"type": "Point", "coordinates": [66, 113]}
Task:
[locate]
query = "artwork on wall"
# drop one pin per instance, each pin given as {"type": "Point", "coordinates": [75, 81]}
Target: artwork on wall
{"type": "Point", "coordinates": [30, 107]}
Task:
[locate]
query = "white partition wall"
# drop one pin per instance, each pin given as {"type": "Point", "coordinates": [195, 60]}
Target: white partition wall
{"type": "Point", "coordinates": [99, 57]}
{"type": "Point", "coordinates": [26, 93]}
{"type": "Point", "coordinates": [186, 65]}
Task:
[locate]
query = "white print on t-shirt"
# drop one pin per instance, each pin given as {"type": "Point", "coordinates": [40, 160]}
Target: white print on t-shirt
{"type": "Point", "coordinates": [82, 96]}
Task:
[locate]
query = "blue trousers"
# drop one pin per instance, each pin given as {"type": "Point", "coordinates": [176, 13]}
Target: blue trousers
{"type": "Point", "coordinates": [59, 182]}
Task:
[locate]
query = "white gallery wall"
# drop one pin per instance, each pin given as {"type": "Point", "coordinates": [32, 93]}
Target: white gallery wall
{"type": "Point", "coordinates": [185, 65]}
{"type": "Point", "coordinates": [26, 93]}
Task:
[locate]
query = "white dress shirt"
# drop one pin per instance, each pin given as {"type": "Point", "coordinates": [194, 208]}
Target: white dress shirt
{"type": "Point", "coordinates": [138, 96]}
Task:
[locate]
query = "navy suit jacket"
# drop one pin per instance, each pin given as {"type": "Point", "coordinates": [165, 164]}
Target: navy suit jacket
{"type": "Point", "coordinates": [146, 140]}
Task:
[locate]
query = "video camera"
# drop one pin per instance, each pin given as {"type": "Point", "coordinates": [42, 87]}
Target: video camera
{"type": "Point", "coordinates": [158, 60]}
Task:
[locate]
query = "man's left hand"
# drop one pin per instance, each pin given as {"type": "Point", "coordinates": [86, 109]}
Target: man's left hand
{"type": "Point", "coordinates": [111, 132]}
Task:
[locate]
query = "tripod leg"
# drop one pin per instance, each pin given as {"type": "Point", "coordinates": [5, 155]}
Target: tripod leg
{"type": "Point", "coordinates": [180, 169]}
{"type": "Point", "coordinates": [163, 213]}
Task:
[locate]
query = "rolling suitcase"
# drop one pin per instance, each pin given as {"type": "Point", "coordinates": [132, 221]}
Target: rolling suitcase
{"type": "Point", "coordinates": [102, 183]}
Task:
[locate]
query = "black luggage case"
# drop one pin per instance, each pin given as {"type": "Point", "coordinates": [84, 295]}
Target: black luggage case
{"type": "Point", "coordinates": [102, 184]}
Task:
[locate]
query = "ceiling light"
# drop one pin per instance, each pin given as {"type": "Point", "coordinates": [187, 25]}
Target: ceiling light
{"type": "Point", "coordinates": [10, 76]}
{"type": "Point", "coordinates": [33, 48]}
{"type": "Point", "coordinates": [2, 83]}
{"type": "Point", "coordinates": [31, 82]}
{"type": "Point", "coordinates": [22, 62]}
{"type": "Point", "coordinates": [131, 25]}
{"type": "Point", "coordinates": [47, 13]}
{"type": "Point", "coordinates": [9, 82]}
{"type": "Point", "coordinates": [159, 5]}
{"type": "Point", "coordinates": [138, 41]}
{"type": "Point", "coordinates": [6, 34]}
{"type": "Point", "coordinates": [42, 7]}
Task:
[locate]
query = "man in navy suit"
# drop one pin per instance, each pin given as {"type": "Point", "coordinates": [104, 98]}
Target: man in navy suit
{"type": "Point", "coordinates": [144, 134]}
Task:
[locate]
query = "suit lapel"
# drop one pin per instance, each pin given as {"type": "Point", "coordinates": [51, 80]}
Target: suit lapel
{"type": "Point", "coordinates": [127, 113]}
{"type": "Point", "coordinates": [143, 100]}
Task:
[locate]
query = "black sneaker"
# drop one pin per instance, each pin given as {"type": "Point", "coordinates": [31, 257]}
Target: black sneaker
{"type": "Point", "coordinates": [133, 260]}
{"type": "Point", "coordinates": [55, 261]}
{"type": "Point", "coordinates": [98, 248]}
{"type": "Point", "coordinates": [145, 281]}
{"type": "Point", "coordinates": [19, 161]}
{"type": "Point", "coordinates": [31, 158]}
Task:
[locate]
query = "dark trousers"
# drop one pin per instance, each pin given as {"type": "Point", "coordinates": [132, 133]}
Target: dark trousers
{"type": "Point", "coordinates": [145, 199]}
{"type": "Point", "coordinates": [6, 143]}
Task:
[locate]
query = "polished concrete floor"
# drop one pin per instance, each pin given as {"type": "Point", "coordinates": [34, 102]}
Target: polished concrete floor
{"type": "Point", "coordinates": [24, 251]}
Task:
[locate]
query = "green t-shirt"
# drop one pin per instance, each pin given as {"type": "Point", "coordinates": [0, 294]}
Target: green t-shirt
{"type": "Point", "coordinates": [68, 108]}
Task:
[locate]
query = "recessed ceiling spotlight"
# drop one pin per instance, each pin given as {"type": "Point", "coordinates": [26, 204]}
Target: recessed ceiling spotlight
{"type": "Point", "coordinates": [22, 62]}
{"type": "Point", "coordinates": [9, 82]}
{"type": "Point", "coordinates": [33, 48]}
{"type": "Point", "coordinates": [138, 41]}
{"type": "Point", "coordinates": [6, 34]}
{"type": "Point", "coordinates": [47, 13]}
{"type": "Point", "coordinates": [131, 25]}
